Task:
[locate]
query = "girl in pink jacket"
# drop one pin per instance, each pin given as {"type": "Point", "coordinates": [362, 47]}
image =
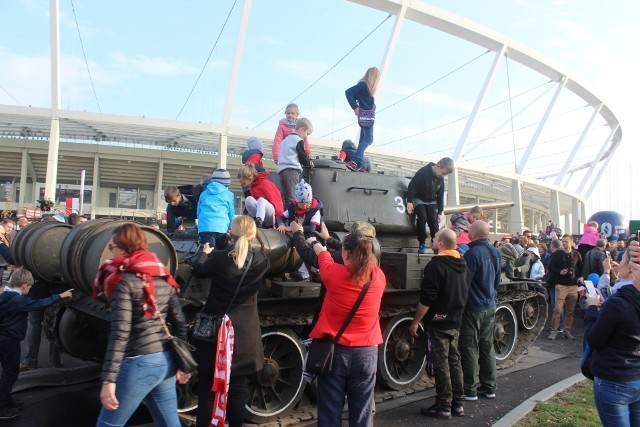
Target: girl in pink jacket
{"type": "Point", "coordinates": [589, 238]}
{"type": "Point", "coordinates": [285, 127]}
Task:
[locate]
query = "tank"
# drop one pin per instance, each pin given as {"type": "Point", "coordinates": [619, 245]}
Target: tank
{"type": "Point", "coordinates": [286, 307]}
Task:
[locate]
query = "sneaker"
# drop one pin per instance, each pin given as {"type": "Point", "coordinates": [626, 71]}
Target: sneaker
{"type": "Point", "coordinates": [8, 413]}
{"type": "Point", "coordinates": [259, 222]}
{"type": "Point", "coordinates": [458, 411]}
{"type": "Point", "coordinates": [486, 393]}
{"type": "Point", "coordinates": [25, 367]}
{"type": "Point", "coordinates": [352, 166]}
{"type": "Point", "coordinates": [422, 249]}
{"type": "Point", "coordinates": [470, 398]}
{"type": "Point", "coordinates": [569, 336]}
{"type": "Point", "coordinates": [437, 412]}
{"type": "Point", "coordinates": [14, 403]}
{"type": "Point", "coordinates": [363, 170]}
{"type": "Point", "coordinates": [552, 335]}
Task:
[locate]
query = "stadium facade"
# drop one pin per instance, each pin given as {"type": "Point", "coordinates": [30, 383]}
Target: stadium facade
{"type": "Point", "coordinates": [129, 160]}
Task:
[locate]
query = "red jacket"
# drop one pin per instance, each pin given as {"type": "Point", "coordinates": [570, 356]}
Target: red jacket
{"type": "Point", "coordinates": [262, 187]}
{"type": "Point", "coordinates": [364, 329]}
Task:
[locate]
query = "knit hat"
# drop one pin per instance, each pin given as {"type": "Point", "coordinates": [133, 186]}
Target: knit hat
{"type": "Point", "coordinates": [221, 176]}
{"type": "Point", "coordinates": [303, 192]}
{"type": "Point", "coordinates": [348, 144]}
{"type": "Point", "coordinates": [254, 143]}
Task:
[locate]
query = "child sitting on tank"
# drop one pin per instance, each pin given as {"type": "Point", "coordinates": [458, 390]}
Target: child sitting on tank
{"type": "Point", "coordinates": [14, 308]}
{"type": "Point", "coordinates": [347, 154]}
{"type": "Point", "coordinates": [253, 154]}
{"type": "Point", "coordinates": [306, 210]}
{"type": "Point", "coordinates": [179, 206]}
{"type": "Point", "coordinates": [265, 202]}
{"type": "Point", "coordinates": [216, 210]}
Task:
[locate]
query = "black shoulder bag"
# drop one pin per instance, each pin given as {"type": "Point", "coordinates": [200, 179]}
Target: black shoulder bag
{"type": "Point", "coordinates": [207, 325]}
{"type": "Point", "coordinates": [180, 349]}
{"type": "Point", "coordinates": [320, 354]}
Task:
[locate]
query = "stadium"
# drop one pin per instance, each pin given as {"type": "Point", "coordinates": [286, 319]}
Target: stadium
{"type": "Point", "coordinates": [127, 160]}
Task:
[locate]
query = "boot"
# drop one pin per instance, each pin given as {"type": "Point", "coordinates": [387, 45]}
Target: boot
{"type": "Point", "coordinates": [259, 222]}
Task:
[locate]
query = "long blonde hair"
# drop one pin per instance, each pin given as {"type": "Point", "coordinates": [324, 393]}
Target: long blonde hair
{"type": "Point", "coordinates": [371, 78]}
{"type": "Point", "coordinates": [243, 230]}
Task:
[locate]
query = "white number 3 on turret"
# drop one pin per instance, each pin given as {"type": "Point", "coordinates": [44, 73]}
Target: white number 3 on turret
{"type": "Point", "coordinates": [400, 208]}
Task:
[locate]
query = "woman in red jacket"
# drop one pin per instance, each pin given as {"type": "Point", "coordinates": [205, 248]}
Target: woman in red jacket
{"type": "Point", "coordinates": [265, 202]}
{"type": "Point", "coordinates": [356, 353]}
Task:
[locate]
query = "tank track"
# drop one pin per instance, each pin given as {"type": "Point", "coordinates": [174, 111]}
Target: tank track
{"type": "Point", "coordinates": [525, 337]}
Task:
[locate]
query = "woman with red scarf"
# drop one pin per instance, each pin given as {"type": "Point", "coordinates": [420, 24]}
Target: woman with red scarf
{"type": "Point", "coordinates": [138, 364]}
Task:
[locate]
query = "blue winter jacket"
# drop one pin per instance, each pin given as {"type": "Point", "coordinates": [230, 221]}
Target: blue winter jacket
{"type": "Point", "coordinates": [215, 209]}
{"type": "Point", "coordinates": [13, 312]}
{"type": "Point", "coordinates": [483, 262]}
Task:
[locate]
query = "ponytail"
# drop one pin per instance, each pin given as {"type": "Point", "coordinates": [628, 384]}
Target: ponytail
{"type": "Point", "coordinates": [243, 230]}
{"type": "Point", "coordinates": [240, 251]}
{"type": "Point", "coordinates": [360, 248]}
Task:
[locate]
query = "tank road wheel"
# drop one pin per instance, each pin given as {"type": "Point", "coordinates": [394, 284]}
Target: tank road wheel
{"type": "Point", "coordinates": [530, 313]}
{"type": "Point", "coordinates": [401, 357]}
{"type": "Point", "coordinates": [505, 332]}
{"type": "Point", "coordinates": [188, 394]}
{"type": "Point", "coordinates": [279, 386]}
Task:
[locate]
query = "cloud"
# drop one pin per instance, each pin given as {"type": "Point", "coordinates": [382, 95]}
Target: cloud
{"type": "Point", "coordinates": [265, 39]}
{"type": "Point", "coordinates": [306, 70]}
{"type": "Point", "coordinates": [153, 66]}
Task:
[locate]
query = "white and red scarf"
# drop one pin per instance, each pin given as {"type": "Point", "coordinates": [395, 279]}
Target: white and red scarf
{"type": "Point", "coordinates": [222, 373]}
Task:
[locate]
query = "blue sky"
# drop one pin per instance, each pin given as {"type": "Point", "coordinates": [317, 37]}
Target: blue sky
{"type": "Point", "coordinates": [144, 57]}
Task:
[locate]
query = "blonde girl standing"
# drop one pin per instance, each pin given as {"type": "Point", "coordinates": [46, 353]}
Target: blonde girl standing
{"type": "Point", "coordinates": [360, 98]}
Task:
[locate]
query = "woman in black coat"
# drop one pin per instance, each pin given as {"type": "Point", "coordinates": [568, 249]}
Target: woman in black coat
{"type": "Point", "coordinates": [226, 268]}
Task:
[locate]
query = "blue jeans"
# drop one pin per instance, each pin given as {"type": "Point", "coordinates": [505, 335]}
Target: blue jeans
{"type": "Point", "coordinates": [618, 403]}
{"type": "Point", "coordinates": [366, 139]}
{"type": "Point", "coordinates": [353, 375]}
{"type": "Point", "coordinates": [152, 378]}
{"type": "Point", "coordinates": [552, 304]}
{"type": "Point", "coordinates": [215, 240]}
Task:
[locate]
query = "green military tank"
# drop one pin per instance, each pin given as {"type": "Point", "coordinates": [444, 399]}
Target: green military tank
{"type": "Point", "coordinates": [64, 257]}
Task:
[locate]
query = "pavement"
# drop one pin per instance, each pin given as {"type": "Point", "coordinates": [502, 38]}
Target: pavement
{"type": "Point", "coordinates": [69, 395]}
{"type": "Point", "coordinates": [550, 367]}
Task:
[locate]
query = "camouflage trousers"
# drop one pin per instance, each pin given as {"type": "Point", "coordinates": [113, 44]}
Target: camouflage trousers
{"type": "Point", "coordinates": [448, 369]}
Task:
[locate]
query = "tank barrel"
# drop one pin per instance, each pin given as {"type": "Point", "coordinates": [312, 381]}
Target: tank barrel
{"type": "Point", "coordinates": [486, 206]}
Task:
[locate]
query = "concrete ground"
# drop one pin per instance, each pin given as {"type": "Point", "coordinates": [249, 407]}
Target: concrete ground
{"type": "Point", "coordinates": [70, 394]}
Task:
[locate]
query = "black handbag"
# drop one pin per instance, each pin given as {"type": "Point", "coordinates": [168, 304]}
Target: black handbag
{"type": "Point", "coordinates": [320, 354]}
{"type": "Point", "coordinates": [585, 363]}
{"type": "Point", "coordinates": [180, 349]}
{"type": "Point", "coordinates": [207, 325]}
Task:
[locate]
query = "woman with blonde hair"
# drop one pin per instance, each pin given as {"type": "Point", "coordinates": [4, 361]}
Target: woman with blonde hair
{"type": "Point", "coordinates": [360, 98]}
{"type": "Point", "coordinates": [353, 373]}
{"type": "Point", "coordinates": [236, 297]}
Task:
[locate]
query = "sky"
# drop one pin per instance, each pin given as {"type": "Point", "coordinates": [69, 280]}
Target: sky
{"type": "Point", "coordinates": [172, 60]}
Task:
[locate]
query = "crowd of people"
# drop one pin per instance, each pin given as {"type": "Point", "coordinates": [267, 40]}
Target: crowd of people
{"type": "Point", "coordinates": [457, 302]}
